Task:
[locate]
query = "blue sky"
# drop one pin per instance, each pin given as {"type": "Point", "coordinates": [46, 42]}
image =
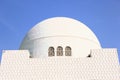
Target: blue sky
{"type": "Point", "coordinates": [17, 17]}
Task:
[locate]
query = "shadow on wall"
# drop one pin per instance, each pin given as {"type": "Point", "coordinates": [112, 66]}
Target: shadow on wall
{"type": "Point", "coordinates": [0, 55]}
{"type": "Point", "coordinates": [119, 54]}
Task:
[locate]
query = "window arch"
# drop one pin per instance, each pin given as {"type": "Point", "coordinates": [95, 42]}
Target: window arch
{"type": "Point", "coordinates": [68, 51]}
{"type": "Point", "coordinates": [51, 51]}
{"type": "Point", "coordinates": [59, 51]}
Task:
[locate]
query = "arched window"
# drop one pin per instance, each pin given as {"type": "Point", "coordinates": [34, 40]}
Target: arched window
{"type": "Point", "coordinates": [59, 51]}
{"type": "Point", "coordinates": [51, 51]}
{"type": "Point", "coordinates": [68, 51]}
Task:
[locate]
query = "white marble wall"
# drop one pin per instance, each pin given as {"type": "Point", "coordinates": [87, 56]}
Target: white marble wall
{"type": "Point", "coordinates": [103, 65]}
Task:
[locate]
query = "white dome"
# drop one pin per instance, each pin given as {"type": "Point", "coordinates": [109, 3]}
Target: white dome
{"type": "Point", "coordinates": [60, 31]}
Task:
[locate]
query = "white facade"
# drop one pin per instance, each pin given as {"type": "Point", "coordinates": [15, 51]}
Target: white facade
{"type": "Point", "coordinates": [84, 59]}
{"type": "Point", "coordinates": [103, 65]}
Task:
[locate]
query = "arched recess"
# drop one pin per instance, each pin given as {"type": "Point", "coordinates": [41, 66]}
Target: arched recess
{"type": "Point", "coordinates": [51, 51]}
{"type": "Point", "coordinates": [68, 51]}
{"type": "Point", "coordinates": [59, 51]}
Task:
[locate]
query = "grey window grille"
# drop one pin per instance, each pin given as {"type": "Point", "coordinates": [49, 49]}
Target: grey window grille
{"type": "Point", "coordinates": [68, 51]}
{"type": "Point", "coordinates": [59, 51]}
{"type": "Point", "coordinates": [51, 51]}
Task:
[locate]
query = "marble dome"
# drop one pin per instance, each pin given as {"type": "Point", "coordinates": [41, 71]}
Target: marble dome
{"type": "Point", "coordinates": [60, 31]}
